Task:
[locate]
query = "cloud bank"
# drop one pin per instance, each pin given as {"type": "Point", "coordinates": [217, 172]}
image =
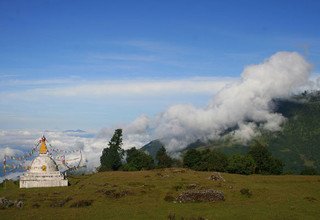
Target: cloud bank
{"type": "Point", "coordinates": [242, 104]}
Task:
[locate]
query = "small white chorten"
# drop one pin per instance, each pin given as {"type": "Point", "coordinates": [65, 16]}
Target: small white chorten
{"type": "Point", "coordinates": [43, 172]}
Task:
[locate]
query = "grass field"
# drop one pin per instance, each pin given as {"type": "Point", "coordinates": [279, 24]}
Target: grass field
{"type": "Point", "coordinates": [141, 195]}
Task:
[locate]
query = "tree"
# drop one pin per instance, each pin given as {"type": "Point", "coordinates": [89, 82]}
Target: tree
{"type": "Point", "coordinates": [205, 160]}
{"type": "Point", "coordinates": [138, 160]}
{"type": "Point", "coordinates": [163, 159]}
{"type": "Point", "coordinates": [192, 159]}
{"type": "Point", "coordinates": [213, 160]}
{"type": "Point", "coordinates": [241, 164]}
{"type": "Point", "coordinates": [309, 171]}
{"type": "Point", "coordinates": [265, 163]}
{"type": "Point", "coordinates": [112, 155]}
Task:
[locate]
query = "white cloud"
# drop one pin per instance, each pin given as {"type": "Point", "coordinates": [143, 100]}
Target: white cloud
{"type": "Point", "coordinates": [247, 100]}
{"type": "Point", "coordinates": [128, 88]}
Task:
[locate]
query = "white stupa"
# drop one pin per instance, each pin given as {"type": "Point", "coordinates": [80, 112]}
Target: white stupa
{"type": "Point", "coordinates": [43, 172]}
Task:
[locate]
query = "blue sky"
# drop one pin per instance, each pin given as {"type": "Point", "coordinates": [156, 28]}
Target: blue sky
{"type": "Point", "coordinates": [91, 64]}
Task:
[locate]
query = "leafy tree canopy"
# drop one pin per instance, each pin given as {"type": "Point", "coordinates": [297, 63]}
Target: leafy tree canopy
{"type": "Point", "coordinates": [138, 160]}
{"type": "Point", "coordinates": [265, 162]}
{"type": "Point", "coordinates": [241, 164]}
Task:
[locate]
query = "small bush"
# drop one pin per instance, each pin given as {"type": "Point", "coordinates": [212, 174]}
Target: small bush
{"type": "Point", "coordinates": [36, 205]}
{"type": "Point", "coordinates": [171, 216]}
{"type": "Point", "coordinates": [246, 192]}
{"type": "Point", "coordinates": [177, 187]}
{"type": "Point", "coordinates": [169, 198]}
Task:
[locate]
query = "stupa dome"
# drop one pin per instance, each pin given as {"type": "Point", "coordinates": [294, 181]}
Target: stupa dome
{"type": "Point", "coordinates": [43, 163]}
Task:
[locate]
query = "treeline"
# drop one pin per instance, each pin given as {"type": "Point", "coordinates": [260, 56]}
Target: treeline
{"type": "Point", "coordinates": [115, 158]}
{"type": "Point", "coordinates": [258, 160]}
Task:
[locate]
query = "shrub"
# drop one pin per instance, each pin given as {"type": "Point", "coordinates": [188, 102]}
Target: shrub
{"type": "Point", "coordinates": [246, 192]}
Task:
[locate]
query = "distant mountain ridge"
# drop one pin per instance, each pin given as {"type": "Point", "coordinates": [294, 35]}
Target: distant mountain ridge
{"type": "Point", "coordinates": [152, 148]}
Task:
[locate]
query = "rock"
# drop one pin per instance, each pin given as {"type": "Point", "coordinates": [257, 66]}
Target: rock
{"type": "Point", "coordinates": [5, 203]}
{"type": "Point", "coordinates": [179, 170]}
{"type": "Point", "coordinates": [20, 204]}
{"type": "Point", "coordinates": [216, 176]}
{"type": "Point", "coordinates": [208, 195]}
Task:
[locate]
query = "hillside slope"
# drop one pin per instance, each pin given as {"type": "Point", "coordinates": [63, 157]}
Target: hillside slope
{"type": "Point", "coordinates": [297, 145]}
{"type": "Point", "coordinates": [143, 195]}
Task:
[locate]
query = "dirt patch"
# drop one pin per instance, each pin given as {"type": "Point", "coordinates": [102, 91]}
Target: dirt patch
{"type": "Point", "coordinates": [60, 203]}
{"type": "Point", "coordinates": [36, 206]}
{"type": "Point", "coordinates": [310, 199]}
{"type": "Point", "coordinates": [114, 194]}
{"type": "Point", "coordinates": [208, 195]}
{"type": "Point", "coordinates": [81, 203]}
{"type": "Point", "coordinates": [172, 216]}
{"type": "Point", "coordinates": [191, 186]}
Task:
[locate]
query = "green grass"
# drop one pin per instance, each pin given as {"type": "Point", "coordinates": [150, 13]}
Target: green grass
{"type": "Point", "coordinates": [140, 195]}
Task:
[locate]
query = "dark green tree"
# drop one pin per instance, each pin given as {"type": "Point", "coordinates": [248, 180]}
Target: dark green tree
{"type": "Point", "coordinates": [309, 171]}
{"type": "Point", "coordinates": [163, 159]}
{"type": "Point", "coordinates": [265, 162]}
{"type": "Point", "coordinates": [138, 160]}
{"type": "Point", "coordinates": [241, 164]}
{"type": "Point", "coordinates": [192, 159]}
{"type": "Point", "coordinates": [112, 155]}
{"type": "Point", "coordinates": [212, 160]}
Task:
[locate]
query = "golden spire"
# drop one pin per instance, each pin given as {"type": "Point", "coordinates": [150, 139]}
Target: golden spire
{"type": "Point", "coordinates": [43, 146]}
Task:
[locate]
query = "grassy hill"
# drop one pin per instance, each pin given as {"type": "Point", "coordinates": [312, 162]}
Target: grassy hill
{"type": "Point", "coordinates": [143, 195]}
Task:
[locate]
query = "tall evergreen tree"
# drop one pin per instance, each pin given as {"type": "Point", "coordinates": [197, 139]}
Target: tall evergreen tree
{"type": "Point", "coordinates": [112, 155]}
{"type": "Point", "coordinates": [163, 159]}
